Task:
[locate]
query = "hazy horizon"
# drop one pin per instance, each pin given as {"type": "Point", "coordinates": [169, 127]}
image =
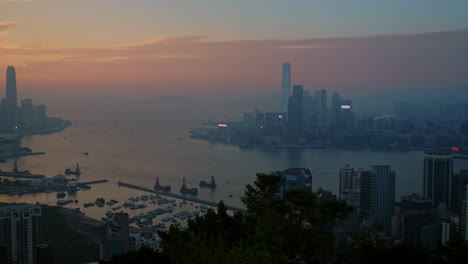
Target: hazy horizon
{"type": "Point", "coordinates": [110, 50]}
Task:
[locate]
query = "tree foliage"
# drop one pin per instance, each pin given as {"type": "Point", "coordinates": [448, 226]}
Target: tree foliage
{"type": "Point", "coordinates": [295, 229]}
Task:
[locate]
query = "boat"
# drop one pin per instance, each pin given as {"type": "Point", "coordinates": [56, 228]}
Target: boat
{"type": "Point", "coordinates": [161, 188]}
{"type": "Point", "coordinates": [112, 202]}
{"type": "Point", "coordinates": [76, 172]}
{"type": "Point", "coordinates": [61, 195]}
{"type": "Point", "coordinates": [212, 185]}
{"type": "Point", "coordinates": [100, 202]}
{"type": "Point", "coordinates": [64, 202]}
{"type": "Point", "coordinates": [127, 204]}
{"type": "Point", "coordinates": [185, 190]}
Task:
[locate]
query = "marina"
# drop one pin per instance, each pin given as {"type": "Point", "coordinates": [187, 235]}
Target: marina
{"type": "Point", "coordinates": [178, 196]}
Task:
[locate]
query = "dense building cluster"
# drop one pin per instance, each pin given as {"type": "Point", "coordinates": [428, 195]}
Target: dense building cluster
{"type": "Point", "coordinates": [21, 234]}
{"type": "Point", "coordinates": [424, 220]}
{"type": "Point", "coordinates": [26, 117]}
{"type": "Point", "coordinates": [428, 220]}
{"type": "Point", "coordinates": [316, 119]}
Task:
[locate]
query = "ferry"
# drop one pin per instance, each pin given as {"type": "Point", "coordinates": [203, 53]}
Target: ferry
{"type": "Point", "coordinates": [212, 185]}
{"type": "Point", "coordinates": [185, 190]}
{"type": "Point", "coordinates": [76, 172]}
{"type": "Point", "coordinates": [161, 188]}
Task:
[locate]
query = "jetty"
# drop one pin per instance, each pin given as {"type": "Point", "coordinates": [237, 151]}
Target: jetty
{"type": "Point", "coordinates": [91, 182]}
{"type": "Point", "coordinates": [20, 175]}
{"type": "Point", "coordinates": [179, 196]}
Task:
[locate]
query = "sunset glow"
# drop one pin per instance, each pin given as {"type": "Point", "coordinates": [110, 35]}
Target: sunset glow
{"type": "Point", "coordinates": [105, 52]}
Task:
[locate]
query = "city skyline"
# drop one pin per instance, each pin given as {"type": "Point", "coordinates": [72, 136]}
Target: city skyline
{"type": "Point", "coordinates": [162, 57]}
{"type": "Point", "coordinates": [248, 131]}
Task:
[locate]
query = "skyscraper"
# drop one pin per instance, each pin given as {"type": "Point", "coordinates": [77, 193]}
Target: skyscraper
{"type": "Point", "coordinates": [21, 231]}
{"type": "Point", "coordinates": [11, 101]}
{"type": "Point", "coordinates": [437, 184]}
{"type": "Point", "coordinates": [295, 115]}
{"type": "Point", "coordinates": [346, 180]}
{"type": "Point", "coordinates": [377, 198]}
{"type": "Point", "coordinates": [341, 113]}
{"type": "Point", "coordinates": [350, 186]}
{"type": "Point", "coordinates": [321, 106]}
{"type": "Point", "coordinates": [285, 87]}
{"type": "Point", "coordinates": [459, 182]}
{"type": "Point", "coordinates": [464, 215]}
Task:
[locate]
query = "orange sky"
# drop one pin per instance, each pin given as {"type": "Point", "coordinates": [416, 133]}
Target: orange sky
{"type": "Point", "coordinates": [192, 64]}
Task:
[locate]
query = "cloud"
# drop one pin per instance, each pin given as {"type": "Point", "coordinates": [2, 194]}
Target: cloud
{"type": "Point", "coordinates": [169, 39]}
{"type": "Point", "coordinates": [5, 25]}
{"type": "Point", "coordinates": [13, 1]}
{"type": "Point", "coordinates": [301, 47]}
{"type": "Point", "coordinates": [359, 63]}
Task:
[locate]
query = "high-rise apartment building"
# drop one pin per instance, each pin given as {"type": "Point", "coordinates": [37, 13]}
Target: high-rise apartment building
{"type": "Point", "coordinates": [437, 182]}
{"type": "Point", "coordinates": [377, 197]}
{"type": "Point", "coordinates": [21, 231]}
{"type": "Point", "coordinates": [464, 215]}
{"type": "Point", "coordinates": [346, 180]}
{"type": "Point", "coordinates": [350, 186]}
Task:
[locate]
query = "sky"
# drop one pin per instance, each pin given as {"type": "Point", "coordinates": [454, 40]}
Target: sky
{"type": "Point", "coordinates": [196, 47]}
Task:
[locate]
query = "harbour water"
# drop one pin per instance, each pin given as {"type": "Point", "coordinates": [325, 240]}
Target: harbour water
{"type": "Point", "coordinates": [135, 143]}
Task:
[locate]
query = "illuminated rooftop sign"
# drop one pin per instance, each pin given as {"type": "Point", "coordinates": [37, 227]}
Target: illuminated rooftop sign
{"type": "Point", "coordinates": [345, 107]}
{"type": "Point", "coordinates": [222, 125]}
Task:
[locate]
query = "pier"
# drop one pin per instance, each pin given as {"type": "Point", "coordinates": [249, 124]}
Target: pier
{"type": "Point", "coordinates": [21, 175]}
{"type": "Point", "coordinates": [91, 182]}
{"type": "Point", "coordinates": [179, 196]}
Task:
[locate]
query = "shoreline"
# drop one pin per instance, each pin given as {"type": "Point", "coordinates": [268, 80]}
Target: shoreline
{"type": "Point", "coordinates": [311, 146]}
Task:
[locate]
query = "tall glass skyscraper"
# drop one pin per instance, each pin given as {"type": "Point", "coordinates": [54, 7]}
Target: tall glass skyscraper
{"type": "Point", "coordinates": [295, 114]}
{"type": "Point", "coordinates": [285, 87]}
{"type": "Point", "coordinates": [321, 106]}
{"type": "Point", "coordinates": [11, 101]}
